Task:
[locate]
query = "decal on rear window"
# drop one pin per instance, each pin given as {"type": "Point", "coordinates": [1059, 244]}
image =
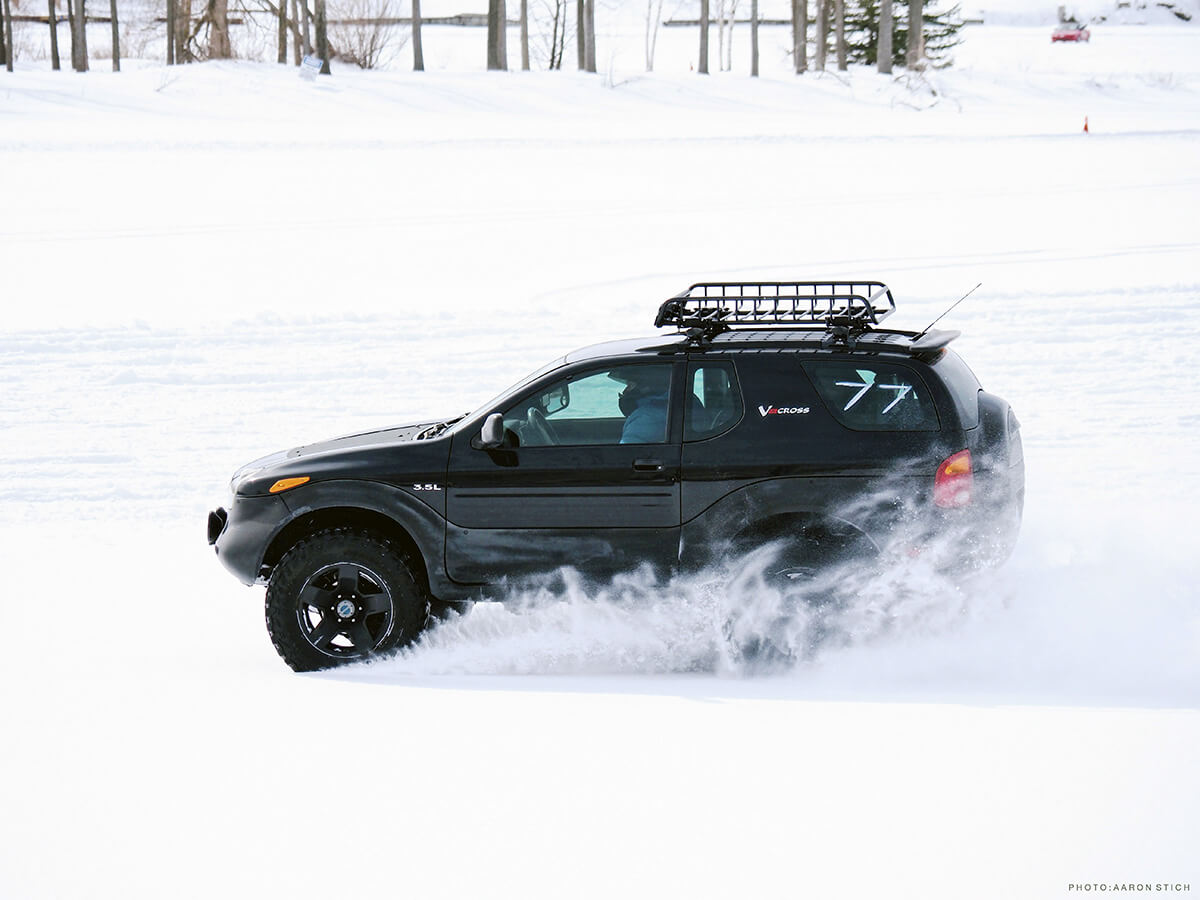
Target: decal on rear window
{"type": "Point", "coordinates": [874, 397]}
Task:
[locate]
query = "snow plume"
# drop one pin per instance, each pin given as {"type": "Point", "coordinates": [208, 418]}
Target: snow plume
{"type": "Point", "coordinates": [740, 619]}
{"type": "Point", "coordinates": [1078, 615]}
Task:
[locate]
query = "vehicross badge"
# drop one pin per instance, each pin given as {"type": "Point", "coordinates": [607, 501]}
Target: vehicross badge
{"type": "Point", "coordinates": [765, 411]}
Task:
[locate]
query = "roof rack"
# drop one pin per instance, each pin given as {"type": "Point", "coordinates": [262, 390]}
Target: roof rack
{"type": "Point", "coordinates": [845, 309]}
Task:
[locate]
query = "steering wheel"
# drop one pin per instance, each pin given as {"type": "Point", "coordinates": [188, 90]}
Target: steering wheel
{"type": "Point", "coordinates": [539, 428]}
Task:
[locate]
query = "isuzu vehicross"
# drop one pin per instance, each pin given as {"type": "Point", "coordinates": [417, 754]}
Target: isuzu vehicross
{"type": "Point", "coordinates": [777, 412]}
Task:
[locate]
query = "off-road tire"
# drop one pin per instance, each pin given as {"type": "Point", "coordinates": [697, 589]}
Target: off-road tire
{"type": "Point", "coordinates": [390, 606]}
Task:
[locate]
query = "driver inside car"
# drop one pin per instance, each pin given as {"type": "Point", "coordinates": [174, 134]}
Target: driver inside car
{"type": "Point", "coordinates": [644, 403]}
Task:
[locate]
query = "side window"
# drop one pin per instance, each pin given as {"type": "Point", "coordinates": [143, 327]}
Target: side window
{"type": "Point", "coordinates": [868, 396]}
{"type": "Point", "coordinates": [714, 404]}
{"type": "Point", "coordinates": [617, 405]}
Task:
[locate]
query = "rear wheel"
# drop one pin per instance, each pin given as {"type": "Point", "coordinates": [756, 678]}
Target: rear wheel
{"type": "Point", "coordinates": [342, 596]}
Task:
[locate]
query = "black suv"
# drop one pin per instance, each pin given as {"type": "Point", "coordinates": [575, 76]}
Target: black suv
{"type": "Point", "coordinates": [778, 413]}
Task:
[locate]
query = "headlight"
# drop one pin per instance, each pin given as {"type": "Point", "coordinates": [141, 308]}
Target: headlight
{"type": "Point", "coordinates": [253, 468]}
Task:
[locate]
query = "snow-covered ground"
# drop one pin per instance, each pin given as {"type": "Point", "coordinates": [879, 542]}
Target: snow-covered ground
{"type": "Point", "coordinates": [204, 264]}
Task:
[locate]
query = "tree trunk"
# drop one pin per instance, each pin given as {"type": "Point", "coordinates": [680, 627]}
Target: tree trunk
{"type": "Point", "coordinates": [218, 30]}
{"type": "Point", "coordinates": [753, 38]}
{"type": "Point", "coordinates": [822, 35]}
{"type": "Point", "coordinates": [558, 37]}
{"type": "Point", "coordinates": [116, 36]}
{"type": "Point", "coordinates": [839, 12]}
{"type": "Point", "coordinates": [702, 68]}
{"type": "Point", "coordinates": [886, 22]}
{"type": "Point", "coordinates": [653, 17]}
{"type": "Point", "coordinates": [296, 52]}
{"type": "Point", "coordinates": [418, 49]}
{"type": "Point", "coordinates": [497, 49]}
{"type": "Point", "coordinates": [306, 27]}
{"type": "Point", "coordinates": [589, 12]}
{"type": "Point", "coordinates": [71, 29]}
{"type": "Point", "coordinates": [729, 37]}
{"type": "Point", "coordinates": [54, 63]}
{"type": "Point", "coordinates": [800, 35]}
{"type": "Point", "coordinates": [183, 27]}
{"type": "Point", "coordinates": [322, 36]}
{"type": "Point", "coordinates": [81, 54]}
{"type": "Point", "coordinates": [580, 36]}
{"type": "Point", "coordinates": [170, 32]}
{"type": "Point", "coordinates": [524, 35]}
{"type": "Point", "coordinates": [7, 51]}
{"type": "Point", "coordinates": [916, 33]}
{"type": "Point", "coordinates": [281, 37]}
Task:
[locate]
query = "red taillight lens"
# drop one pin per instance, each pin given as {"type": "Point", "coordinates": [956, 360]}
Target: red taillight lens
{"type": "Point", "coordinates": [953, 481]}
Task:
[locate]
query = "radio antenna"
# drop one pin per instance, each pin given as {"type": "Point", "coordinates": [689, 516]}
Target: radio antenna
{"type": "Point", "coordinates": [947, 312]}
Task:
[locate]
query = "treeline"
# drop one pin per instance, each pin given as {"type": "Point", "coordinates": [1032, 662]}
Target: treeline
{"type": "Point", "coordinates": [882, 33]}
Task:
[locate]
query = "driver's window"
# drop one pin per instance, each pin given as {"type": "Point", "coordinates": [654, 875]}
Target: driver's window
{"type": "Point", "coordinates": [617, 405]}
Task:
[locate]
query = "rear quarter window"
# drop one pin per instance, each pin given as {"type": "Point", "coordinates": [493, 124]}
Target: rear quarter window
{"type": "Point", "coordinates": [866, 395]}
{"type": "Point", "coordinates": [962, 385]}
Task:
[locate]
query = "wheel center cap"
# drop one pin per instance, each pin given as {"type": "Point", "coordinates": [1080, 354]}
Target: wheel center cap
{"type": "Point", "coordinates": [345, 608]}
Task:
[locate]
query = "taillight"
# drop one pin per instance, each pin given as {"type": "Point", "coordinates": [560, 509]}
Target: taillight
{"type": "Point", "coordinates": [953, 481]}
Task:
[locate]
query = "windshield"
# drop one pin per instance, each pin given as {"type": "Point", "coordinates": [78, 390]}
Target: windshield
{"type": "Point", "coordinates": [493, 405]}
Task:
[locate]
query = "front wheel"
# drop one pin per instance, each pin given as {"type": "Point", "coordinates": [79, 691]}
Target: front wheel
{"type": "Point", "coordinates": [342, 596]}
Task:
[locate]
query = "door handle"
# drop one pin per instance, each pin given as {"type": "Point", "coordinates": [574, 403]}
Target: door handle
{"type": "Point", "coordinates": [648, 465]}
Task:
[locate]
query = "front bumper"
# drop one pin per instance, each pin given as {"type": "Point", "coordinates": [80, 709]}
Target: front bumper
{"type": "Point", "coordinates": [241, 535]}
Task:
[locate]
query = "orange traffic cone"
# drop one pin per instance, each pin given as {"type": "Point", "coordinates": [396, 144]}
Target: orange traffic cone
{"type": "Point", "coordinates": [1085, 128]}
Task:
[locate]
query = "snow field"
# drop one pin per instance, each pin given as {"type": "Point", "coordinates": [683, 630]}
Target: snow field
{"type": "Point", "coordinates": [383, 248]}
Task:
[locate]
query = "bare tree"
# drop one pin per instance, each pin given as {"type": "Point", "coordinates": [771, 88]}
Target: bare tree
{"type": "Point", "coordinates": [702, 68]}
{"type": "Point", "coordinates": [558, 33]}
{"type": "Point", "coordinates": [580, 36]}
{"type": "Point", "coordinates": [322, 36]}
{"type": "Point", "coordinates": [218, 29]}
{"type": "Point", "coordinates": [7, 50]}
{"type": "Point", "coordinates": [800, 35]}
{"type": "Point", "coordinates": [116, 36]}
{"type": "Point", "coordinates": [306, 31]}
{"type": "Point", "coordinates": [183, 31]}
{"type": "Point", "coordinates": [418, 49]}
{"type": "Point", "coordinates": [916, 34]}
{"type": "Point", "coordinates": [281, 33]}
{"type": "Point", "coordinates": [589, 35]}
{"type": "Point", "coordinates": [54, 63]}
{"type": "Point", "coordinates": [839, 19]}
{"type": "Point", "coordinates": [524, 35]}
{"type": "Point", "coordinates": [822, 34]}
{"type": "Point", "coordinates": [753, 38]}
{"type": "Point", "coordinates": [170, 31]}
{"type": "Point", "coordinates": [497, 37]}
{"type": "Point", "coordinates": [732, 13]}
{"type": "Point", "coordinates": [79, 51]}
{"type": "Point", "coordinates": [296, 52]}
{"type": "Point", "coordinates": [653, 18]}
{"type": "Point", "coordinates": [363, 32]}
{"type": "Point", "coordinates": [886, 24]}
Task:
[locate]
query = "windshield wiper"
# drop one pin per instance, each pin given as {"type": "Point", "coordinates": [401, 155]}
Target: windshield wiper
{"type": "Point", "coordinates": [434, 430]}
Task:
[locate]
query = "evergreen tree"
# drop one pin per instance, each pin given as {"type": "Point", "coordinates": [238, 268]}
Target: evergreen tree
{"type": "Point", "coordinates": [862, 32]}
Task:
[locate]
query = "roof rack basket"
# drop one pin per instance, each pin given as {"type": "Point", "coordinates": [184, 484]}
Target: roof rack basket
{"type": "Point", "coordinates": [845, 308]}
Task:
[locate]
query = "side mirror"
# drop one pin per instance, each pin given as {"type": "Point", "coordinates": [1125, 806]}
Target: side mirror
{"type": "Point", "coordinates": [491, 436]}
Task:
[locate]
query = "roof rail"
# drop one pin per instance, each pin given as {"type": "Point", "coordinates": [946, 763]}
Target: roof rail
{"type": "Point", "coordinates": [844, 308]}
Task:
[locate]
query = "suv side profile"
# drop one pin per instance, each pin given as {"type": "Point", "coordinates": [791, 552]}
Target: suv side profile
{"type": "Point", "coordinates": [777, 412]}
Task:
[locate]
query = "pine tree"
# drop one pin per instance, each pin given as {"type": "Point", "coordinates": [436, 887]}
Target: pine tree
{"type": "Point", "coordinates": [862, 32]}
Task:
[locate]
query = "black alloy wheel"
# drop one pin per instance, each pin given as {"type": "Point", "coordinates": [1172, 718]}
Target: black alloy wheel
{"type": "Point", "coordinates": [345, 610]}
